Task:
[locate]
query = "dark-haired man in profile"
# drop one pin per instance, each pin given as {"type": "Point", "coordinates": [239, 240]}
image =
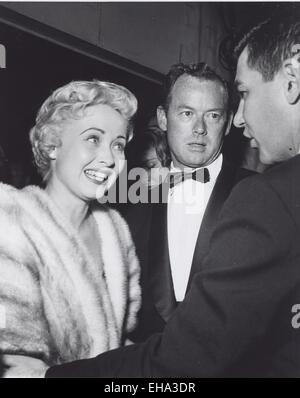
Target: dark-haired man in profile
{"type": "Point", "coordinates": [241, 315]}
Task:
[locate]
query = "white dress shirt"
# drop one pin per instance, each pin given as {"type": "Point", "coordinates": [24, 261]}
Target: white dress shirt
{"type": "Point", "coordinates": [187, 202]}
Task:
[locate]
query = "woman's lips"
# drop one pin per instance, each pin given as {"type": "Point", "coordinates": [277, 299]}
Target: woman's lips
{"type": "Point", "coordinates": [97, 177]}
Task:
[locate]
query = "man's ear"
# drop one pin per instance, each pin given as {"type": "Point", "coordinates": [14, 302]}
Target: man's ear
{"type": "Point", "coordinates": [162, 118]}
{"type": "Point", "coordinates": [291, 71]}
{"type": "Point", "coordinates": [229, 122]}
{"type": "Point", "coordinates": [53, 153]}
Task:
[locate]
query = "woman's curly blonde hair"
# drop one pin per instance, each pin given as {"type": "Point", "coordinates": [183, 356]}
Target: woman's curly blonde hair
{"type": "Point", "coordinates": [69, 102]}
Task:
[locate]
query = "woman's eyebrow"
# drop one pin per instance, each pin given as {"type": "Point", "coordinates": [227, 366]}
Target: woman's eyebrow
{"type": "Point", "coordinates": [93, 128]}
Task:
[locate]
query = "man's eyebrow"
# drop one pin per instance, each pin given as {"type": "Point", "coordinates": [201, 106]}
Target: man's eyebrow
{"type": "Point", "coordinates": [185, 107]}
{"type": "Point", "coordinates": [216, 109]}
{"type": "Point", "coordinates": [237, 83]}
{"type": "Point", "coordinates": [148, 160]}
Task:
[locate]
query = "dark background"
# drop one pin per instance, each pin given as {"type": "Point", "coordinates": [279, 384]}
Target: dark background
{"type": "Point", "coordinates": [35, 67]}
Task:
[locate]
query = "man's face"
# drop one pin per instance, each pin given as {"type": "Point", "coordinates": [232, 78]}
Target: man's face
{"type": "Point", "coordinates": [195, 121]}
{"type": "Point", "coordinates": [265, 114]}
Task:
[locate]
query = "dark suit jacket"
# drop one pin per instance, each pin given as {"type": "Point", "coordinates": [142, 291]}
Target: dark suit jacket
{"type": "Point", "coordinates": [237, 318]}
{"type": "Point", "coordinates": [148, 225]}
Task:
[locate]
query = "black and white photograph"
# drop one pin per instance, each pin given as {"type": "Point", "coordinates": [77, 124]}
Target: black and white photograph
{"type": "Point", "coordinates": [149, 195]}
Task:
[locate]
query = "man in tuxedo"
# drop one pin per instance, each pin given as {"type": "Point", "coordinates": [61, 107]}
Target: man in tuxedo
{"type": "Point", "coordinates": [172, 237]}
{"type": "Point", "coordinates": [241, 316]}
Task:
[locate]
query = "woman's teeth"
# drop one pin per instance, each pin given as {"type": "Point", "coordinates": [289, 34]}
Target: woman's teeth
{"type": "Point", "coordinates": [96, 175]}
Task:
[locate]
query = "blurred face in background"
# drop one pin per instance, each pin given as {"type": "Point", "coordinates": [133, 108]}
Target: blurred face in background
{"type": "Point", "coordinates": [151, 163]}
{"type": "Point", "coordinates": [149, 159]}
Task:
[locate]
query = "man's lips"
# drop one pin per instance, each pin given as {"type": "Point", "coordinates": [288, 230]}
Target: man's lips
{"type": "Point", "coordinates": [253, 143]}
{"type": "Point", "coordinates": [196, 145]}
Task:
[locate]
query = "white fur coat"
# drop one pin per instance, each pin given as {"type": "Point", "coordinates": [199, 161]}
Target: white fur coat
{"type": "Point", "coordinates": [55, 302]}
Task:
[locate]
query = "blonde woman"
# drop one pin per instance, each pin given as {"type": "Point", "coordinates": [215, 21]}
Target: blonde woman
{"type": "Point", "coordinates": [69, 277]}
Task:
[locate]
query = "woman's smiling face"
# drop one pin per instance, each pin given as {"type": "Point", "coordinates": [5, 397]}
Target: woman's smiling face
{"type": "Point", "coordinates": [91, 154]}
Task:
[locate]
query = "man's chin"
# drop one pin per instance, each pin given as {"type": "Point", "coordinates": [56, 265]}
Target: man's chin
{"type": "Point", "coordinates": [267, 160]}
{"type": "Point", "coordinates": [193, 163]}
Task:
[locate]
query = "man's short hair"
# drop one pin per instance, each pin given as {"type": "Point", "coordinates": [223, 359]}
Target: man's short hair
{"type": "Point", "coordinates": [200, 70]}
{"type": "Point", "coordinates": [272, 42]}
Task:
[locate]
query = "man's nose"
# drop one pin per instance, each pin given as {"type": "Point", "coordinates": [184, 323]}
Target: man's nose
{"type": "Point", "coordinates": [199, 127]}
{"type": "Point", "coordinates": [238, 120]}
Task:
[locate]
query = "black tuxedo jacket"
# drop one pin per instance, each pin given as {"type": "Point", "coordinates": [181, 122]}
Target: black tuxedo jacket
{"type": "Point", "coordinates": [241, 315]}
{"type": "Point", "coordinates": [148, 225]}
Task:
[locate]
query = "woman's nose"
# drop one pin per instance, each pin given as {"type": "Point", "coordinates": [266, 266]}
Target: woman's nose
{"type": "Point", "coordinates": [106, 157]}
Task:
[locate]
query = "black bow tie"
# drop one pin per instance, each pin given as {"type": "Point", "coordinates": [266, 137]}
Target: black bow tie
{"type": "Point", "coordinates": [201, 175]}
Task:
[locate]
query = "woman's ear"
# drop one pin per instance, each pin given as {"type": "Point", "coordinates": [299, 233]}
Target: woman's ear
{"type": "Point", "coordinates": [291, 71]}
{"type": "Point", "coordinates": [162, 118]}
{"type": "Point", "coordinates": [53, 153]}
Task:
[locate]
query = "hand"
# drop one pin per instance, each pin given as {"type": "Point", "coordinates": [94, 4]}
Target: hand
{"type": "Point", "coordinates": [19, 366]}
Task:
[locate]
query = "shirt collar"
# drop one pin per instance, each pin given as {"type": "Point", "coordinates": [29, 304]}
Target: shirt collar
{"type": "Point", "coordinates": [214, 168]}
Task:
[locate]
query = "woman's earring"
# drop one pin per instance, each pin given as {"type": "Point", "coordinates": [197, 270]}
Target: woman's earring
{"type": "Point", "coordinates": [52, 154]}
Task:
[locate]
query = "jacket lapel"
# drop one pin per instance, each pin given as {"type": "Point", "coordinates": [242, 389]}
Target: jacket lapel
{"type": "Point", "coordinates": [160, 277]}
{"type": "Point", "coordinates": [223, 186]}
